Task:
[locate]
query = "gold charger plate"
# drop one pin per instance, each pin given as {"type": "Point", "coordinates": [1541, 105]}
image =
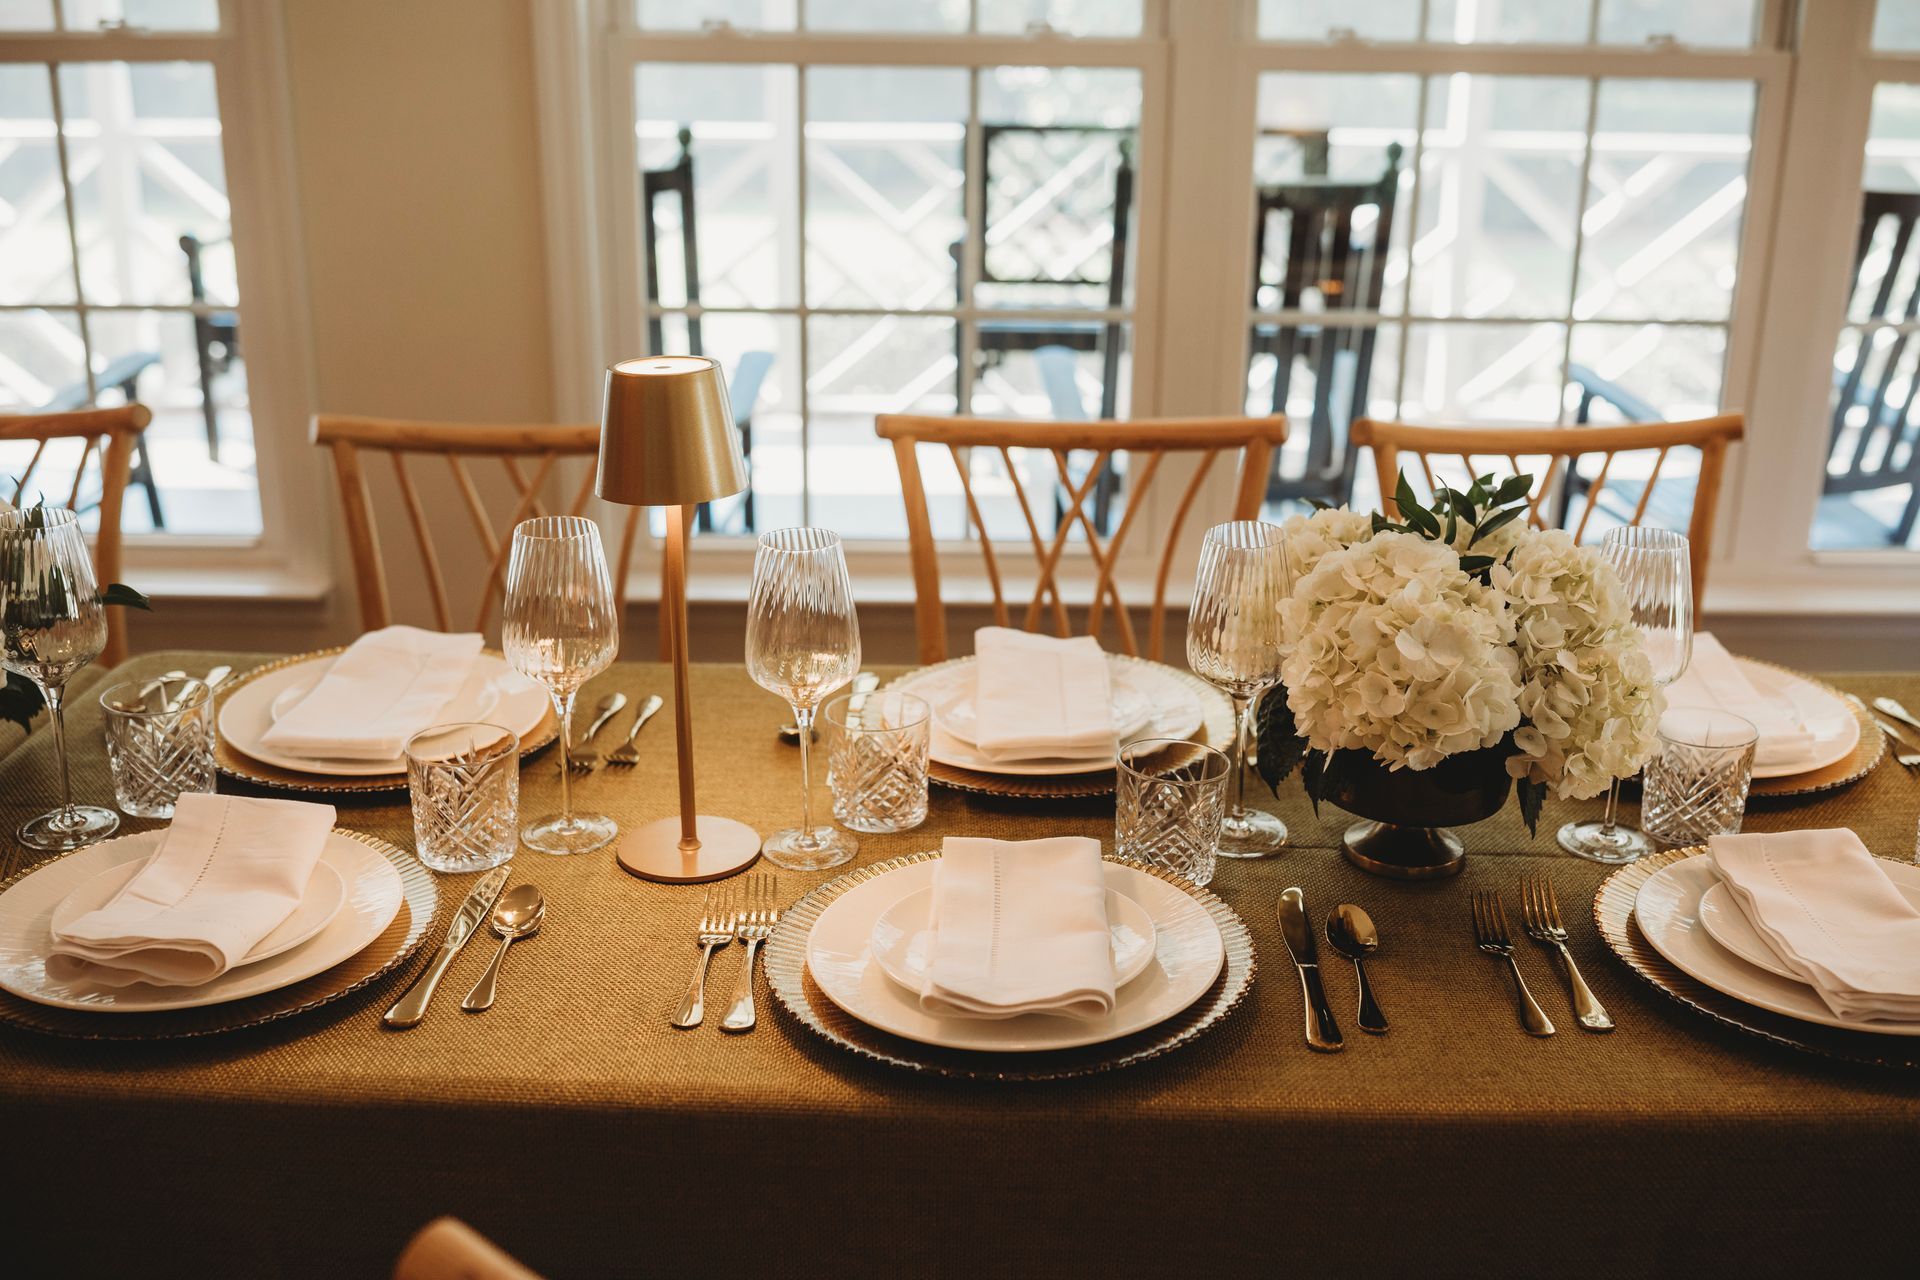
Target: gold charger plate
{"type": "Point", "coordinates": [237, 764]}
{"type": "Point", "coordinates": [419, 905]}
{"type": "Point", "coordinates": [786, 966]}
{"type": "Point", "coordinates": [1216, 731]}
{"type": "Point", "coordinates": [1613, 916]}
{"type": "Point", "coordinates": [1872, 747]}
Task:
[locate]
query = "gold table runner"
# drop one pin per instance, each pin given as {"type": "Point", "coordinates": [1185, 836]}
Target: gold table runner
{"type": "Point", "coordinates": [318, 1146]}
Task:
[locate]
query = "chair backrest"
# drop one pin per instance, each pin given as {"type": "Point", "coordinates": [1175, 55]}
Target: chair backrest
{"type": "Point", "coordinates": [1146, 443]}
{"type": "Point", "coordinates": [112, 433]}
{"type": "Point", "coordinates": [1323, 255]}
{"type": "Point", "coordinates": [1873, 414]}
{"type": "Point", "coordinates": [1559, 447]}
{"type": "Point", "coordinates": [526, 454]}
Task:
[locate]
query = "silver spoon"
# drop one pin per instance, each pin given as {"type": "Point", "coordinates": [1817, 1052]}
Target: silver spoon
{"type": "Point", "coordinates": [516, 915]}
{"type": "Point", "coordinates": [1352, 934]}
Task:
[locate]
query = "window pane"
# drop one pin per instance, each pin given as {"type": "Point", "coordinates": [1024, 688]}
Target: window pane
{"type": "Point", "coordinates": [153, 15]}
{"type": "Point", "coordinates": [1712, 23]}
{"type": "Point", "coordinates": [36, 259]}
{"type": "Point", "coordinates": [1499, 195]}
{"type": "Point", "coordinates": [1317, 19]}
{"type": "Point", "coordinates": [745, 179]}
{"type": "Point", "coordinates": [861, 366]}
{"type": "Point", "coordinates": [43, 363]}
{"type": "Point", "coordinates": [1508, 21]}
{"type": "Point", "coordinates": [143, 149]}
{"type": "Point", "coordinates": [1461, 373]}
{"type": "Point", "coordinates": [1055, 380]}
{"type": "Point", "coordinates": [887, 15]}
{"type": "Point", "coordinates": [26, 15]}
{"type": "Point", "coordinates": [1665, 197]}
{"type": "Point", "coordinates": [1067, 17]}
{"type": "Point", "coordinates": [1641, 372]}
{"type": "Point", "coordinates": [885, 186]}
{"type": "Point", "coordinates": [1896, 26]}
{"type": "Point", "coordinates": [691, 15]}
{"type": "Point", "coordinates": [761, 357]}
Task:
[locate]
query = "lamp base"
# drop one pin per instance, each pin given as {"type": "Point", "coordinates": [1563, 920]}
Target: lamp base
{"type": "Point", "coordinates": [653, 852]}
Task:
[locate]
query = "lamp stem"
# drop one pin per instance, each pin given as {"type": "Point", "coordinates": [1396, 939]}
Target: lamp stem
{"type": "Point", "coordinates": [676, 589]}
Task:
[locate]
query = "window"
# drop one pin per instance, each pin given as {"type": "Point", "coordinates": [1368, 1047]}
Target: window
{"type": "Point", "coordinates": [118, 275]}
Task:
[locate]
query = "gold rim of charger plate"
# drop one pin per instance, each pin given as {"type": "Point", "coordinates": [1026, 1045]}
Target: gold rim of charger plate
{"type": "Point", "coordinates": [1871, 748]}
{"type": "Point", "coordinates": [1216, 723]}
{"type": "Point", "coordinates": [1613, 916]}
{"type": "Point", "coordinates": [785, 958]}
{"type": "Point", "coordinates": [396, 944]}
{"type": "Point", "coordinates": [237, 764]}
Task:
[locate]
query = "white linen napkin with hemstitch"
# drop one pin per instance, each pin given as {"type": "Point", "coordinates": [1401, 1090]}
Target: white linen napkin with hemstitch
{"type": "Point", "coordinates": [228, 871]}
{"type": "Point", "coordinates": [1040, 697]}
{"type": "Point", "coordinates": [1020, 926]}
{"type": "Point", "coordinates": [389, 685]}
{"type": "Point", "coordinates": [1714, 679]}
{"type": "Point", "coordinates": [1827, 908]}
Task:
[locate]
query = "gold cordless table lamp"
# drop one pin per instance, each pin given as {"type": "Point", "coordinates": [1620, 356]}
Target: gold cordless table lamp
{"type": "Point", "coordinates": [667, 440]}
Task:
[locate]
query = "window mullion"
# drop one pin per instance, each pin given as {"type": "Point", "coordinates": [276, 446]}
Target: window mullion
{"type": "Point", "coordinates": [800, 275]}
{"type": "Point", "coordinates": [1579, 231]}
{"type": "Point", "coordinates": [73, 225]}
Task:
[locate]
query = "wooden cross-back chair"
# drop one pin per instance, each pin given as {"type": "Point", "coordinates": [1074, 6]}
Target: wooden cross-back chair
{"type": "Point", "coordinates": [112, 433]}
{"type": "Point", "coordinates": [1146, 442]}
{"type": "Point", "coordinates": [1560, 447]}
{"type": "Point", "coordinates": [526, 454]}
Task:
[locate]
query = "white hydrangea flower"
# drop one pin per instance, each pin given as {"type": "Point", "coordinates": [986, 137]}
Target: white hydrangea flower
{"type": "Point", "coordinates": [1312, 536]}
{"type": "Point", "coordinates": [1393, 649]}
{"type": "Point", "coordinates": [1587, 694]}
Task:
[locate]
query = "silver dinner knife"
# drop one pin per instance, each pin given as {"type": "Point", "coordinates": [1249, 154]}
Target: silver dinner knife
{"type": "Point", "coordinates": [410, 1008]}
{"type": "Point", "coordinates": [1323, 1034]}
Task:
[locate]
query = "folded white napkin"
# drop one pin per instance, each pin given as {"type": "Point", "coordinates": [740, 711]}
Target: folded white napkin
{"type": "Point", "coordinates": [1826, 907]}
{"type": "Point", "coordinates": [228, 871]}
{"type": "Point", "coordinates": [1020, 926]}
{"type": "Point", "coordinates": [389, 685]}
{"type": "Point", "coordinates": [1040, 697]}
{"type": "Point", "coordinates": [1714, 679]}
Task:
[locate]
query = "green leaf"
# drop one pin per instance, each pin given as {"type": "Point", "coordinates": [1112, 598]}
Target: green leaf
{"type": "Point", "coordinates": [1320, 504]}
{"type": "Point", "coordinates": [1279, 744]}
{"type": "Point", "coordinates": [1313, 776]}
{"type": "Point", "coordinates": [1474, 564]}
{"type": "Point", "coordinates": [1533, 797]}
{"type": "Point", "coordinates": [1496, 521]}
{"type": "Point", "coordinates": [20, 700]}
{"type": "Point", "coordinates": [1403, 498]}
{"type": "Point", "coordinates": [1383, 525]}
{"type": "Point", "coordinates": [1513, 489]}
{"type": "Point", "coordinates": [122, 594]}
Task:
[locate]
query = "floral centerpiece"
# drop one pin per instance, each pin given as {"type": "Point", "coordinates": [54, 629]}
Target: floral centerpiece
{"type": "Point", "coordinates": [1457, 640]}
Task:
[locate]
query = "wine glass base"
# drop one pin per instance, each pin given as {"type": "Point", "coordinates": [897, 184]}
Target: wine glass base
{"type": "Point", "coordinates": [1594, 842]}
{"type": "Point", "coordinates": [793, 850]}
{"type": "Point", "coordinates": [1252, 834]}
{"type": "Point", "coordinates": [562, 834]}
{"type": "Point", "coordinates": [69, 828]}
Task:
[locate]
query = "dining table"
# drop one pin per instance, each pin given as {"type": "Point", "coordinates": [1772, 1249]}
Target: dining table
{"type": "Point", "coordinates": [583, 1133]}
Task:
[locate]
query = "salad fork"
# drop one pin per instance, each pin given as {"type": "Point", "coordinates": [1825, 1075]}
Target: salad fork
{"type": "Point", "coordinates": [755, 925]}
{"type": "Point", "coordinates": [1540, 906]}
{"type": "Point", "coordinates": [624, 756]}
{"type": "Point", "coordinates": [585, 758]}
{"type": "Point", "coordinates": [718, 923]}
{"type": "Point", "coordinates": [1490, 933]}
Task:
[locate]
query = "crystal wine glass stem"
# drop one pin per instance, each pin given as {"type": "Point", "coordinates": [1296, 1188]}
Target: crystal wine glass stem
{"type": "Point", "coordinates": [563, 707]}
{"type": "Point", "coordinates": [1613, 806]}
{"type": "Point", "coordinates": [804, 720]}
{"type": "Point", "coordinates": [57, 726]}
{"type": "Point", "coordinates": [1238, 807]}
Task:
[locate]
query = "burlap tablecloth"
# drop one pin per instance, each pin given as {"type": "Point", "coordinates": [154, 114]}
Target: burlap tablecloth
{"type": "Point", "coordinates": [581, 1132]}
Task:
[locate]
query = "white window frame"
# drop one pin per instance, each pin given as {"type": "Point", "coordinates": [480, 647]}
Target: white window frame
{"type": "Point", "coordinates": [1200, 63]}
{"type": "Point", "coordinates": [288, 559]}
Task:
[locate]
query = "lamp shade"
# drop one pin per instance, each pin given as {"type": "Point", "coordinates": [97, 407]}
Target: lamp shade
{"type": "Point", "coordinates": [666, 434]}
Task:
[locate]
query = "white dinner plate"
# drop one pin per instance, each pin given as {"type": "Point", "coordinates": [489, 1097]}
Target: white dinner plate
{"type": "Point", "coordinates": [374, 893]}
{"type": "Point", "coordinates": [494, 692]}
{"type": "Point", "coordinates": [1132, 712]}
{"type": "Point", "coordinates": [1188, 954]}
{"type": "Point", "coordinates": [324, 896]}
{"type": "Point", "coordinates": [1176, 713]}
{"type": "Point", "coordinates": [1835, 729]}
{"type": "Point", "coordinates": [903, 938]}
{"type": "Point", "coordinates": [1668, 913]}
{"type": "Point", "coordinates": [1727, 924]}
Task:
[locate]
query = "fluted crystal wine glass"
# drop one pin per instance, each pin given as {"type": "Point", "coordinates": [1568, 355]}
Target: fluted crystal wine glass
{"type": "Point", "coordinates": [559, 627]}
{"type": "Point", "coordinates": [1656, 570]}
{"type": "Point", "coordinates": [54, 624]}
{"type": "Point", "coordinates": [1233, 643]}
{"type": "Point", "coordinates": [803, 642]}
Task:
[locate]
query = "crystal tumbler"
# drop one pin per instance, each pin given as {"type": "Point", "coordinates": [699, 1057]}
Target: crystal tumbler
{"type": "Point", "coordinates": [1696, 784]}
{"type": "Point", "coordinates": [159, 743]}
{"type": "Point", "coordinates": [877, 760]}
{"type": "Point", "coordinates": [1170, 797]}
{"type": "Point", "coordinates": [464, 780]}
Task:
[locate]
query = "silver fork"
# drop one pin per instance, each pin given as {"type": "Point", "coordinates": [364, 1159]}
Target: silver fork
{"type": "Point", "coordinates": [624, 756]}
{"type": "Point", "coordinates": [583, 758]}
{"type": "Point", "coordinates": [1540, 907]}
{"type": "Point", "coordinates": [755, 925]}
{"type": "Point", "coordinates": [1491, 934]}
{"type": "Point", "coordinates": [718, 921]}
{"type": "Point", "coordinates": [1908, 760]}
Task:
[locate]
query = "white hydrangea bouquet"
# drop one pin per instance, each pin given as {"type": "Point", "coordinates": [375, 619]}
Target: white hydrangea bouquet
{"type": "Point", "coordinates": [1458, 630]}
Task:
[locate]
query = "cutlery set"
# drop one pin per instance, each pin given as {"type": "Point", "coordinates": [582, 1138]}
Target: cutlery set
{"type": "Point", "coordinates": [747, 913]}
{"type": "Point", "coordinates": [510, 916]}
{"type": "Point", "coordinates": [1350, 932]}
{"type": "Point", "coordinates": [1904, 737]}
{"type": "Point", "coordinates": [1540, 913]}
